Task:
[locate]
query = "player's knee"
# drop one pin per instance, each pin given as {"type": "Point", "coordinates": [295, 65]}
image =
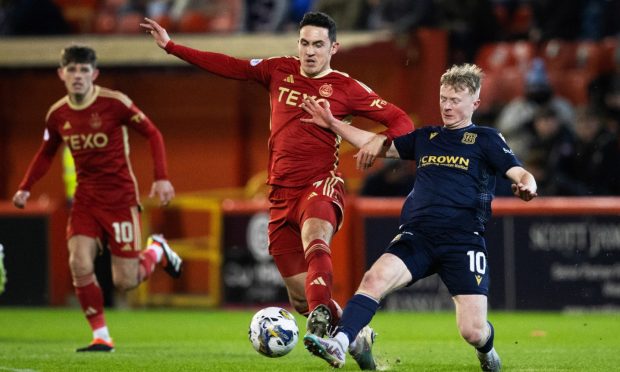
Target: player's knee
{"type": "Point", "coordinates": [373, 284]}
{"type": "Point", "coordinates": [125, 283]}
{"type": "Point", "coordinates": [80, 266]}
{"type": "Point", "coordinates": [472, 335]}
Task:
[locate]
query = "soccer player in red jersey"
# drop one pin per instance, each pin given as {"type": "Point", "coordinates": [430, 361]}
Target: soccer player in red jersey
{"type": "Point", "coordinates": [92, 122]}
{"type": "Point", "coordinates": [307, 192]}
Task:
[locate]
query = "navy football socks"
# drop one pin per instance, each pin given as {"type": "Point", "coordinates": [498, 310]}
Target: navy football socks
{"type": "Point", "coordinates": [489, 344]}
{"type": "Point", "coordinates": [357, 314]}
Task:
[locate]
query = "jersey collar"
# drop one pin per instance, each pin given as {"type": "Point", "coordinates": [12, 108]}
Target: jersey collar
{"type": "Point", "coordinates": [322, 74]}
{"type": "Point", "coordinates": [92, 96]}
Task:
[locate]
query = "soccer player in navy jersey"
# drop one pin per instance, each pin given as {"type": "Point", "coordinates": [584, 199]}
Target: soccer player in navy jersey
{"type": "Point", "coordinates": [443, 219]}
{"type": "Point", "coordinates": [93, 122]}
{"type": "Point", "coordinates": [307, 191]}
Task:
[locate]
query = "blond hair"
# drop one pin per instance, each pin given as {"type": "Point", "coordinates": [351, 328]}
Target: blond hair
{"type": "Point", "coordinates": [463, 77]}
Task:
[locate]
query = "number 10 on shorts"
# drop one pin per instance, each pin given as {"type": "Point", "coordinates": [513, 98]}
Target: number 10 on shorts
{"type": "Point", "coordinates": [477, 262]}
{"type": "Point", "coordinates": [123, 232]}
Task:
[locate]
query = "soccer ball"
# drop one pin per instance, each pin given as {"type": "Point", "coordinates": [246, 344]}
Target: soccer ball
{"type": "Point", "coordinates": [273, 332]}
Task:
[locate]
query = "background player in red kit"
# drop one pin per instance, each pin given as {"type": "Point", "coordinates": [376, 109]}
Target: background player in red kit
{"type": "Point", "coordinates": [92, 121]}
{"type": "Point", "coordinates": [307, 192]}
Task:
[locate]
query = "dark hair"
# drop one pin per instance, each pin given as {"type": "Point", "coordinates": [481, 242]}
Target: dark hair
{"type": "Point", "coordinates": [78, 54]}
{"type": "Point", "coordinates": [320, 19]}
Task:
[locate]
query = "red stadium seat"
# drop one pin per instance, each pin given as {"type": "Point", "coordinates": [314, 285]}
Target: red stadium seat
{"type": "Point", "coordinates": [194, 22]}
{"type": "Point", "coordinates": [609, 48]}
{"type": "Point", "coordinates": [588, 55]}
{"type": "Point", "coordinates": [165, 21]}
{"type": "Point", "coordinates": [129, 23]}
{"type": "Point", "coordinates": [501, 86]}
{"type": "Point", "coordinates": [497, 56]}
{"type": "Point", "coordinates": [79, 14]}
{"type": "Point", "coordinates": [571, 84]}
{"type": "Point", "coordinates": [559, 55]}
{"type": "Point", "coordinates": [105, 23]}
{"type": "Point", "coordinates": [515, 23]}
{"type": "Point", "coordinates": [521, 20]}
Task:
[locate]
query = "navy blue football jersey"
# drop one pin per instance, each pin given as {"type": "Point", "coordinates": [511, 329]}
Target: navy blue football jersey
{"type": "Point", "coordinates": [455, 178]}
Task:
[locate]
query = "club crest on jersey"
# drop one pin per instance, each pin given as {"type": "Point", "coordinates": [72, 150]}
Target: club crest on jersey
{"type": "Point", "coordinates": [326, 90]}
{"type": "Point", "coordinates": [469, 138]}
{"type": "Point", "coordinates": [95, 121]}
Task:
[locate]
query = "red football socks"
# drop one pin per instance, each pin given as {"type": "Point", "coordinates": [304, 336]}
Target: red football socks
{"type": "Point", "coordinates": [148, 260]}
{"type": "Point", "coordinates": [320, 275]}
{"type": "Point", "coordinates": [91, 299]}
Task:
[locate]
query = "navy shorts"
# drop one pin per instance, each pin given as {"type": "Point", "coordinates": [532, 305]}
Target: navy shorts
{"type": "Point", "coordinates": [460, 258]}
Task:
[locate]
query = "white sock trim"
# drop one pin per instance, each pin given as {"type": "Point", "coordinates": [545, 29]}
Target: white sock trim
{"type": "Point", "coordinates": [342, 339]}
{"type": "Point", "coordinates": [102, 333]}
{"type": "Point", "coordinates": [159, 251]}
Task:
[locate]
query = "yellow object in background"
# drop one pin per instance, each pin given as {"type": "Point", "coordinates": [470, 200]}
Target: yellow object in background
{"type": "Point", "coordinates": [2, 270]}
{"type": "Point", "coordinates": [68, 175]}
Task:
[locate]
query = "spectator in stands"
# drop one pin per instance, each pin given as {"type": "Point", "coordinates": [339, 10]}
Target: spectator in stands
{"type": "Point", "coordinates": [266, 15]}
{"type": "Point", "coordinates": [556, 19]}
{"type": "Point", "coordinates": [31, 17]}
{"type": "Point", "coordinates": [594, 167]}
{"type": "Point", "coordinates": [599, 19]}
{"type": "Point", "coordinates": [401, 16]}
{"type": "Point", "coordinates": [190, 16]}
{"type": "Point", "coordinates": [348, 14]}
{"type": "Point", "coordinates": [604, 92]}
{"type": "Point", "coordinates": [514, 117]}
{"type": "Point", "coordinates": [394, 178]}
{"type": "Point", "coordinates": [470, 24]}
{"type": "Point", "coordinates": [514, 18]}
{"type": "Point", "coordinates": [552, 147]}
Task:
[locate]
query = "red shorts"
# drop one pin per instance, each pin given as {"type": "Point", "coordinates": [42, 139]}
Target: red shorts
{"type": "Point", "coordinates": [290, 207]}
{"type": "Point", "coordinates": [119, 229]}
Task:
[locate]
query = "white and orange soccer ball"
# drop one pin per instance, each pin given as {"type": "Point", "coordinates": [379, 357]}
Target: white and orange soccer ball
{"type": "Point", "coordinates": [273, 332]}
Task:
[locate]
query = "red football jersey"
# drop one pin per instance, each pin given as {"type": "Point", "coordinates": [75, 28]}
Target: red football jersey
{"type": "Point", "coordinates": [96, 133]}
{"type": "Point", "coordinates": [301, 153]}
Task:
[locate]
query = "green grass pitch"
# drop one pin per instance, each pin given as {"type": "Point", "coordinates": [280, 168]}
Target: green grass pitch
{"type": "Point", "coordinates": [33, 339]}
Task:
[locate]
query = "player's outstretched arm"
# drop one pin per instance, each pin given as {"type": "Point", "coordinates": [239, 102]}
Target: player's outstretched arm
{"type": "Point", "coordinates": [524, 185]}
{"type": "Point", "coordinates": [20, 198]}
{"type": "Point", "coordinates": [163, 190]}
{"type": "Point", "coordinates": [370, 151]}
{"type": "Point", "coordinates": [159, 33]}
{"type": "Point", "coordinates": [362, 139]}
{"type": "Point", "coordinates": [322, 116]}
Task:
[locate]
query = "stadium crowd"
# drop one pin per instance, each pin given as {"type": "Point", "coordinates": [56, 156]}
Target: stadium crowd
{"type": "Point", "coordinates": [552, 68]}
